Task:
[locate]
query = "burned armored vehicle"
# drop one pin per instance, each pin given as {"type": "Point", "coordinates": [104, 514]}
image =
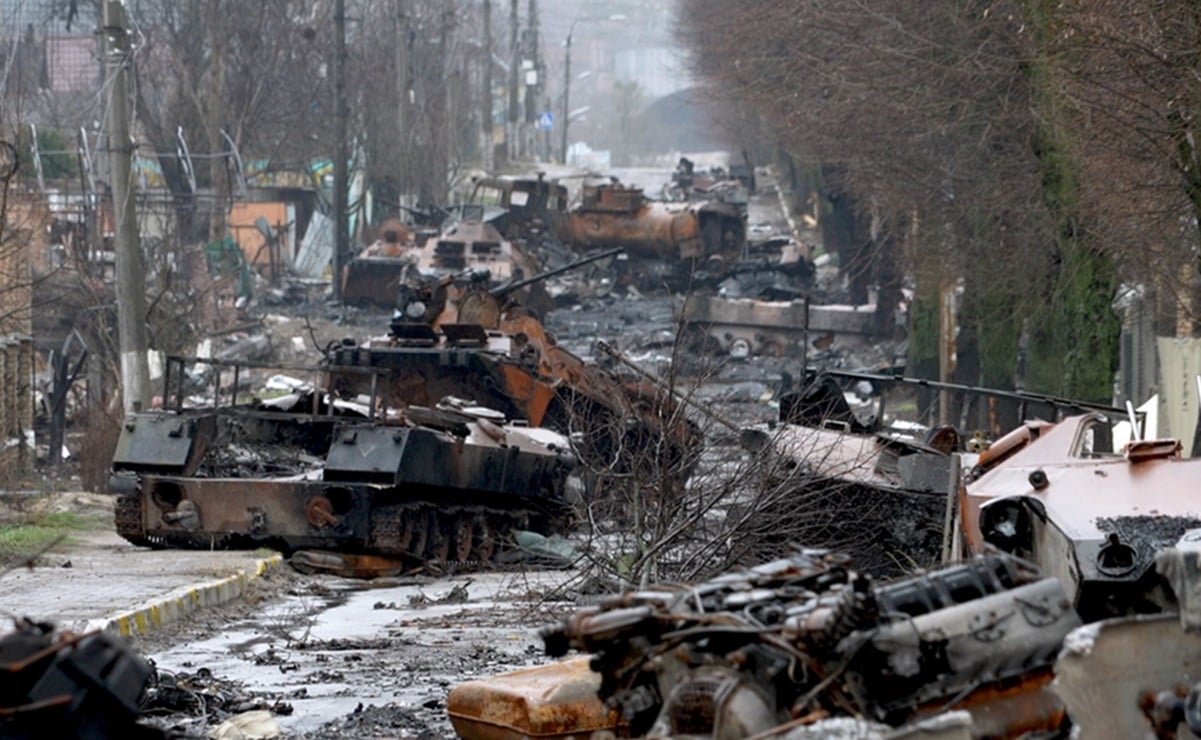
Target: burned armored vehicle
{"type": "Point", "coordinates": [313, 469]}
{"type": "Point", "coordinates": [864, 463]}
{"type": "Point", "coordinates": [429, 446]}
{"type": "Point", "coordinates": [466, 245]}
{"type": "Point", "coordinates": [789, 644]}
{"type": "Point", "coordinates": [1061, 495]}
{"type": "Point", "coordinates": [459, 337]}
{"type": "Point", "coordinates": [680, 236]}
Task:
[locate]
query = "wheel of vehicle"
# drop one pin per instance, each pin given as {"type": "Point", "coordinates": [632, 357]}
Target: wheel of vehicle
{"type": "Point", "coordinates": [463, 540]}
{"type": "Point", "coordinates": [484, 544]}
{"type": "Point", "coordinates": [417, 523]}
{"type": "Point", "coordinates": [437, 547]}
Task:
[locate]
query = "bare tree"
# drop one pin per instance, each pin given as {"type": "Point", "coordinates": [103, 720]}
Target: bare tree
{"type": "Point", "coordinates": [926, 119]}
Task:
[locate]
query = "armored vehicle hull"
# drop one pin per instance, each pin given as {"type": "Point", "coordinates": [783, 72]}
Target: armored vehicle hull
{"type": "Point", "coordinates": [1094, 516]}
{"type": "Point", "coordinates": [307, 472]}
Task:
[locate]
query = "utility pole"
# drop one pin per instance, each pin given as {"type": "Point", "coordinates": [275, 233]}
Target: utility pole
{"type": "Point", "coordinates": [566, 95]}
{"type": "Point", "coordinates": [531, 91]}
{"type": "Point", "coordinates": [131, 286]}
{"type": "Point", "coordinates": [215, 105]}
{"type": "Point", "coordinates": [514, 82]}
{"type": "Point", "coordinates": [341, 153]}
{"type": "Point", "coordinates": [403, 86]}
{"type": "Point", "coordinates": [486, 102]}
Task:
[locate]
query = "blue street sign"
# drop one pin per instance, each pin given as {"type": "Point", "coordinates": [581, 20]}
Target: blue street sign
{"type": "Point", "coordinates": [546, 121]}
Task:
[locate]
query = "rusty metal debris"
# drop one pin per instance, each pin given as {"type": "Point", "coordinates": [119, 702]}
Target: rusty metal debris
{"type": "Point", "coordinates": [1094, 516]}
{"type": "Point", "coordinates": [330, 477]}
{"type": "Point", "coordinates": [766, 650]}
{"type": "Point", "coordinates": [63, 685]}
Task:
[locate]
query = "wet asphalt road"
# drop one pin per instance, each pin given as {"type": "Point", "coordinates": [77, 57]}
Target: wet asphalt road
{"type": "Point", "coordinates": [390, 649]}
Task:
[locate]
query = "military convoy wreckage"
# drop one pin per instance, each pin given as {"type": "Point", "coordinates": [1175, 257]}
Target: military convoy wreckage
{"type": "Point", "coordinates": [383, 456]}
{"type": "Point", "coordinates": [513, 226]}
{"type": "Point", "coordinates": [1062, 496]}
{"type": "Point", "coordinates": [1084, 532]}
{"type": "Point", "coordinates": [792, 642]}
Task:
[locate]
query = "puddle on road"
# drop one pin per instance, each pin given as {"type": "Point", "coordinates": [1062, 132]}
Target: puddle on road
{"type": "Point", "coordinates": [356, 643]}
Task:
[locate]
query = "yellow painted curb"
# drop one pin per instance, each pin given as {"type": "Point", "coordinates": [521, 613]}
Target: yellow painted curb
{"type": "Point", "coordinates": [183, 601]}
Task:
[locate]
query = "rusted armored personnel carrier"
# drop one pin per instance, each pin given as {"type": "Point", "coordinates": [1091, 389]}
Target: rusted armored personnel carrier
{"type": "Point", "coordinates": [1094, 516]}
{"type": "Point", "coordinates": [468, 245]}
{"type": "Point", "coordinates": [315, 469]}
{"type": "Point", "coordinates": [709, 235]}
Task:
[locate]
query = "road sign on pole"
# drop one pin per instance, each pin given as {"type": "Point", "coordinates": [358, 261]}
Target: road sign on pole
{"type": "Point", "coordinates": [546, 121]}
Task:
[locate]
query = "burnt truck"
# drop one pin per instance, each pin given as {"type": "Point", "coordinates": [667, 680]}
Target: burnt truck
{"type": "Point", "coordinates": [1088, 512]}
{"type": "Point", "coordinates": [530, 210]}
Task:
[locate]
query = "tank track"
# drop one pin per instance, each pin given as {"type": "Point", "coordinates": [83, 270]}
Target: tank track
{"type": "Point", "coordinates": [458, 538]}
{"type": "Point", "coordinates": [127, 516]}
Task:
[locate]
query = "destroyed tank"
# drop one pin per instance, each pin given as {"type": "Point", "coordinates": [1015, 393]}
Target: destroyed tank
{"type": "Point", "coordinates": [1088, 512]}
{"type": "Point", "coordinates": [458, 337]}
{"type": "Point", "coordinates": [310, 470]}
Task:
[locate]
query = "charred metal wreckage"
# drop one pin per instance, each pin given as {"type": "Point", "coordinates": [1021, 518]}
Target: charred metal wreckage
{"type": "Point", "coordinates": [513, 226]}
{"type": "Point", "coordinates": [383, 457]}
{"type": "Point", "coordinates": [792, 642]}
{"type": "Point", "coordinates": [1091, 515]}
{"type": "Point", "coordinates": [62, 685]}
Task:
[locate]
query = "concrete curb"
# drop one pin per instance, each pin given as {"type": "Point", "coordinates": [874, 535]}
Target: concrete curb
{"type": "Point", "coordinates": [181, 602]}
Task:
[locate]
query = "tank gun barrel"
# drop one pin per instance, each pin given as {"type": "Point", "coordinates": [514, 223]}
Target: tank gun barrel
{"type": "Point", "coordinates": [504, 290]}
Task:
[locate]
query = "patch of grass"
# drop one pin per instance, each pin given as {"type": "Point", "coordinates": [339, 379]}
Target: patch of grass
{"type": "Point", "coordinates": [31, 533]}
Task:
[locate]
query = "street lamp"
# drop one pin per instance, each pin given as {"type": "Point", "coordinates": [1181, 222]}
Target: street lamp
{"type": "Point", "coordinates": [567, 81]}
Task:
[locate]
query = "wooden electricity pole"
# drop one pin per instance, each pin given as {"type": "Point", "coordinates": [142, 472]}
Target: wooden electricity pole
{"type": "Point", "coordinates": [131, 285]}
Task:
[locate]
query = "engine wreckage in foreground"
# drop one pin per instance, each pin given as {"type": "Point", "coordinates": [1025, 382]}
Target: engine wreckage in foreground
{"type": "Point", "coordinates": [805, 647]}
{"type": "Point", "coordinates": [795, 641]}
{"type": "Point", "coordinates": [992, 647]}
